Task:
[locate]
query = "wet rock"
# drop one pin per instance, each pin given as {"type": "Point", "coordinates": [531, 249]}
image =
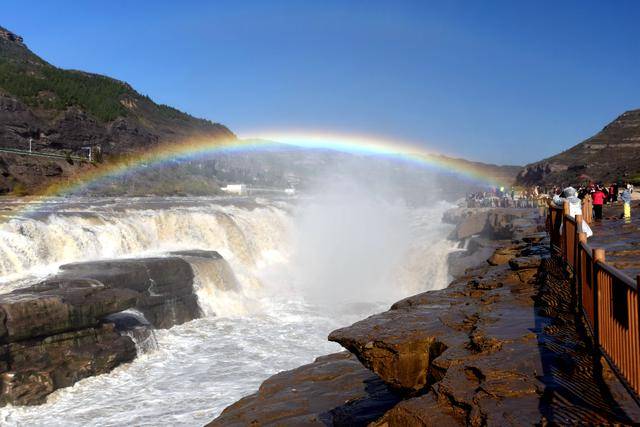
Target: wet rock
{"type": "Point", "coordinates": [535, 237]}
{"type": "Point", "coordinates": [165, 286]}
{"type": "Point", "coordinates": [89, 318]}
{"type": "Point", "coordinates": [334, 390]}
{"type": "Point", "coordinates": [461, 261]}
{"type": "Point", "coordinates": [503, 224]}
{"type": "Point", "coordinates": [53, 337]}
{"type": "Point", "coordinates": [525, 262]}
{"type": "Point", "coordinates": [503, 255]}
{"type": "Point", "coordinates": [133, 324]}
{"type": "Point", "coordinates": [197, 253]}
{"type": "Point", "coordinates": [32, 369]}
{"type": "Point", "coordinates": [56, 306]}
{"type": "Point", "coordinates": [486, 368]}
{"type": "Point", "coordinates": [421, 411]}
{"type": "Point", "coordinates": [457, 215]}
{"type": "Point", "coordinates": [472, 224]}
{"type": "Point", "coordinates": [399, 345]}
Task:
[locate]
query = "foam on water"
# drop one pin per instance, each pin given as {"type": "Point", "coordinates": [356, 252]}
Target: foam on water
{"type": "Point", "coordinates": [37, 246]}
{"type": "Point", "coordinates": [266, 323]}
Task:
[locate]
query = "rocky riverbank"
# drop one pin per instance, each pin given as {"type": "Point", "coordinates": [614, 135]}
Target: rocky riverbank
{"type": "Point", "coordinates": [484, 351]}
{"type": "Point", "coordinates": [83, 321]}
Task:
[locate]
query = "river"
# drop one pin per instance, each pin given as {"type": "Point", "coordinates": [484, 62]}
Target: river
{"type": "Point", "coordinates": [305, 266]}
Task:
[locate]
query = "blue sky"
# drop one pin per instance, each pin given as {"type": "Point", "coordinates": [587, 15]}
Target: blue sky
{"type": "Point", "coordinates": [500, 81]}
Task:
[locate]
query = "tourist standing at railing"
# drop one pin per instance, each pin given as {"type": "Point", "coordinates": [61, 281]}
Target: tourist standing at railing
{"type": "Point", "coordinates": [598, 196]}
{"type": "Point", "coordinates": [570, 195]}
{"type": "Point", "coordinates": [626, 199]}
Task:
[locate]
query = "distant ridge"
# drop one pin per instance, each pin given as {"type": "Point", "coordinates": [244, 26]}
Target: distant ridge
{"type": "Point", "coordinates": [612, 154]}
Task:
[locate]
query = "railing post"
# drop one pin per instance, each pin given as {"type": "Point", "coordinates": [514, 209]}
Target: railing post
{"type": "Point", "coordinates": [581, 238]}
{"type": "Point", "coordinates": [598, 256]}
{"type": "Point", "coordinates": [565, 213]}
{"type": "Point", "coordinates": [550, 224]}
{"type": "Point", "coordinates": [587, 209]}
{"type": "Point", "coordinates": [576, 242]}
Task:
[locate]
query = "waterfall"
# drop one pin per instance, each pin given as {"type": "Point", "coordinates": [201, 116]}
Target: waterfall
{"type": "Point", "coordinates": [217, 288]}
{"type": "Point", "coordinates": [37, 246]}
{"type": "Point", "coordinates": [133, 324]}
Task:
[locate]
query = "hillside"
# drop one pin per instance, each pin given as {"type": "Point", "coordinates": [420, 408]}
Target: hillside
{"type": "Point", "coordinates": [612, 154]}
{"type": "Point", "coordinates": [62, 111]}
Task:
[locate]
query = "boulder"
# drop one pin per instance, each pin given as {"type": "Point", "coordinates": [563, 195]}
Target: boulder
{"type": "Point", "coordinates": [164, 286]}
{"type": "Point", "coordinates": [334, 390]}
{"type": "Point", "coordinates": [55, 306]}
{"type": "Point", "coordinates": [33, 368]}
{"type": "Point", "coordinates": [461, 261]}
{"type": "Point", "coordinates": [485, 369]}
{"type": "Point", "coordinates": [504, 254]}
{"type": "Point", "coordinates": [525, 262]}
{"type": "Point", "coordinates": [399, 345]}
{"type": "Point", "coordinates": [52, 336]}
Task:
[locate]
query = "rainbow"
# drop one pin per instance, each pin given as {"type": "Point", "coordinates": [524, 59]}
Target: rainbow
{"type": "Point", "coordinates": [201, 147]}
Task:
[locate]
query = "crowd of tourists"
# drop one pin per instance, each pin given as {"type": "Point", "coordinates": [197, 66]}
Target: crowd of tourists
{"type": "Point", "coordinates": [599, 195]}
{"type": "Point", "coordinates": [537, 196]}
{"type": "Point", "coordinates": [500, 197]}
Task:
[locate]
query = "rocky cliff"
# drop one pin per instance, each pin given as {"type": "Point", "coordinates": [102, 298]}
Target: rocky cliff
{"type": "Point", "coordinates": [612, 154]}
{"type": "Point", "coordinates": [499, 346]}
{"type": "Point", "coordinates": [62, 111]}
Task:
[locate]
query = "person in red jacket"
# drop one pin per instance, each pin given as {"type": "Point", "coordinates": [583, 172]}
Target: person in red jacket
{"type": "Point", "coordinates": [611, 194]}
{"type": "Point", "coordinates": [598, 196]}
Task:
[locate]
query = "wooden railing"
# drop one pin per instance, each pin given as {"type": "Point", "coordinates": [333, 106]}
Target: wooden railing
{"type": "Point", "coordinates": [606, 297]}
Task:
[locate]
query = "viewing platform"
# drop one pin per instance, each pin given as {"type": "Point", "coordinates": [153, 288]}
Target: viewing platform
{"type": "Point", "coordinates": [603, 273]}
{"type": "Point", "coordinates": [619, 237]}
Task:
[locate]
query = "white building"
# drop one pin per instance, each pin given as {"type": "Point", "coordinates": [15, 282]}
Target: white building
{"type": "Point", "coordinates": [238, 189]}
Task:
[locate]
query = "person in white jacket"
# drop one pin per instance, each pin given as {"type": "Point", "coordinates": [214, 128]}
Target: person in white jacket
{"type": "Point", "coordinates": [570, 195]}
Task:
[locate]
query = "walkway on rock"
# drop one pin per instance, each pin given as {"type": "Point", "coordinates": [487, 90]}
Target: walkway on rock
{"type": "Point", "coordinates": [575, 388]}
{"type": "Point", "coordinates": [620, 238]}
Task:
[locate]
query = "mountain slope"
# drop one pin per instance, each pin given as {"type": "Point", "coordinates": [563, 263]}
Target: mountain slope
{"type": "Point", "coordinates": [62, 111]}
{"type": "Point", "coordinates": [612, 154]}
